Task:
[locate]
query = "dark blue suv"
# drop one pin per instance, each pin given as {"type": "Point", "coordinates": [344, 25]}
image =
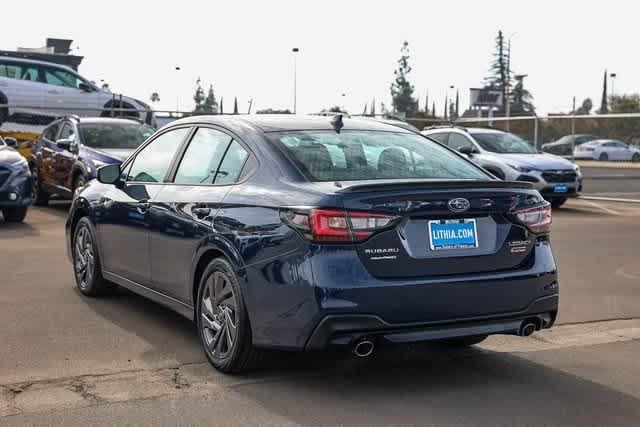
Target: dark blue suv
{"type": "Point", "coordinates": [300, 233]}
{"type": "Point", "coordinates": [70, 150]}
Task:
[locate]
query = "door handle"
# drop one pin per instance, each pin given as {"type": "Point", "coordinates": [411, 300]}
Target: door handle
{"type": "Point", "coordinates": [200, 211]}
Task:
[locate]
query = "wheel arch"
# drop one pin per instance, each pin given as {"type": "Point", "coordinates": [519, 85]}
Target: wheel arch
{"type": "Point", "coordinates": [79, 209]}
{"type": "Point", "coordinates": [212, 249]}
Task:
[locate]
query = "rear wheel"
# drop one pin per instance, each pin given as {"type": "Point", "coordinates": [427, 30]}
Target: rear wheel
{"type": "Point", "coordinates": [557, 202]}
{"type": "Point", "coordinates": [14, 214]}
{"type": "Point", "coordinates": [86, 261]}
{"type": "Point", "coordinates": [603, 157]}
{"type": "Point", "coordinates": [465, 341]}
{"type": "Point", "coordinates": [223, 323]}
{"type": "Point", "coordinates": [635, 158]}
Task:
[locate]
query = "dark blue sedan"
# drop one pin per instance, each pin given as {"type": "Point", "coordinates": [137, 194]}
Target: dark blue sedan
{"type": "Point", "coordinates": [301, 233]}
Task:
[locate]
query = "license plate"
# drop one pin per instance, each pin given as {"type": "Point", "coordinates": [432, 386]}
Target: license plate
{"type": "Point", "coordinates": [453, 234]}
{"type": "Point", "coordinates": [561, 188]}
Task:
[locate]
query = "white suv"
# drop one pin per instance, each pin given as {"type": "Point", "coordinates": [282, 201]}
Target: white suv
{"type": "Point", "coordinates": [510, 157]}
{"type": "Point", "coordinates": [36, 92]}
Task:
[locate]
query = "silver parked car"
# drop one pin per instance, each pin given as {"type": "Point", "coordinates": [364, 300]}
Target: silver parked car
{"type": "Point", "coordinates": [36, 92]}
{"type": "Point", "coordinates": [607, 149]}
{"type": "Point", "coordinates": [510, 157]}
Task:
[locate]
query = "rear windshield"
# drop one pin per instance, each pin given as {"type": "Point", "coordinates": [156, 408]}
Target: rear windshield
{"type": "Point", "coordinates": [360, 155]}
{"type": "Point", "coordinates": [114, 135]}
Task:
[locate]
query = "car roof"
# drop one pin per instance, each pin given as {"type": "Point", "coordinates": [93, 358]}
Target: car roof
{"type": "Point", "coordinates": [462, 130]}
{"type": "Point", "coordinates": [289, 122]}
{"type": "Point", "coordinates": [36, 62]}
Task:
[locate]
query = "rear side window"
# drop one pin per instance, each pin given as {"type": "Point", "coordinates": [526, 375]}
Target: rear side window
{"type": "Point", "coordinates": [440, 137]}
{"type": "Point", "coordinates": [363, 155]}
{"type": "Point", "coordinates": [152, 163]}
{"type": "Point", "coordinates": [19, 71]}
{"type": "Point", "coordinates": [200, 162]}
{"type": "Point", "coordinates": [232, 164]}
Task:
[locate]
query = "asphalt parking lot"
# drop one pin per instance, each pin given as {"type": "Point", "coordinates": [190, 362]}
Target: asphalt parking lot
{"type": "Point", "coordinates": [66, 359]}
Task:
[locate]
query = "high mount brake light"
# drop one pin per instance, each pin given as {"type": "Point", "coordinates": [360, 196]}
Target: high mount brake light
{"type": "Point", "coordinates": [338, 225]}
{"type": "Point", "coordinates": [536, 219]}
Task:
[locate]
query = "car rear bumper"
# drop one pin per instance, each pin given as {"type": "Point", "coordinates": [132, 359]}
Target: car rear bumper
{"type": "Point", "coordinates": [292, 314]}
{"type": "Point", "coordinates": [345, 330]}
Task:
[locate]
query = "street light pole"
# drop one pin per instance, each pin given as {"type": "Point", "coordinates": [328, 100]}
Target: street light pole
{"type": "Point", "coordinates": [295, 50]}
{"type": "Point", "coordinates": [177, 68]}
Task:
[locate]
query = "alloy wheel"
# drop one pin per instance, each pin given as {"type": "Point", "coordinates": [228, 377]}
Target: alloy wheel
{"type": "Point", "coordinates": [84, 257]}
{"type": "Point", "coordinates": [219, 315]}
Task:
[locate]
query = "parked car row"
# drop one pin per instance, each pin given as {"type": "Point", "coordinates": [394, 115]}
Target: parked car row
{"type": "Point", "coordinates": [39, 92]}
{"type": "Point", "coordinates": [591, 147]}
{"type": "Point", "coordinates": [511, 158]}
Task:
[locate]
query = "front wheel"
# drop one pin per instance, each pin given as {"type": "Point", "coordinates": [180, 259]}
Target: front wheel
{"type": "Point", "coordinates": [223, 323]}
{"type": "Point", "coordinates": [86, 261]}
{"type": "Point", "coordinates": [14, 214]}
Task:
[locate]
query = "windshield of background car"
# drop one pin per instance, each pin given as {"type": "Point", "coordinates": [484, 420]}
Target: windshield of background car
{"type": "Point", "coordinates": [110, 135]}
{"type": "Point", "coordinates": [365, 155]}
{"type": "Point", "coordinates": [503, 143]}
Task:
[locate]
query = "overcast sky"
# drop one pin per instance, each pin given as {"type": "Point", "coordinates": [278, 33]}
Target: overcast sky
{"type": "Point", "coordinates": [346, 47]}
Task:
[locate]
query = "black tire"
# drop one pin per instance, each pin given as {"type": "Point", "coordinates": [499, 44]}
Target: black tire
{"type": "Point", "coordinates": [557, 202]}
{"type": "Point", "coordinates": [38, 195]}
{"type": "Point", "coordinates": [16, 214]}
{"type": "Point", "coordinates": [87, 269]}
{"type": "Point", "coordinates": [635, 158]}
{"type": "Point", "coordinates": [603, 157]}
{"type": "Point", "coordinates": [465, 341]}
{"type": "Point", "coordinates": [223, 322]}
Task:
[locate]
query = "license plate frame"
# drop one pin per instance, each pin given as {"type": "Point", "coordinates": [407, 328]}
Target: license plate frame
{"type": "Point", "coordinates": [445, 239]}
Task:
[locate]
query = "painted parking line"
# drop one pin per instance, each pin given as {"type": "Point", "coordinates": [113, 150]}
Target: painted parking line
{"type": "Point", "coordinates": [609, 199]}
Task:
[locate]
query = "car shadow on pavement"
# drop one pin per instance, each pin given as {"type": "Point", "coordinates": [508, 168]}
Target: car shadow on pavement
{"type": "Point", "coordinates": [17, 229]}
{"type": "Point", "coordinates": [170, 335]}
{"type": "Point", "coordinates": [434, 385]}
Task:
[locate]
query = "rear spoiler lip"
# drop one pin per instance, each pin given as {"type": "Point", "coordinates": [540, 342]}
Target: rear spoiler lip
{"type": "Point", "coordinates": [434, 185]}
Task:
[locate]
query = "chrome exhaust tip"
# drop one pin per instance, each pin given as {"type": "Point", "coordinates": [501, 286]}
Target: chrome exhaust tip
{"type": "Point", "coordinates": [364, 348]}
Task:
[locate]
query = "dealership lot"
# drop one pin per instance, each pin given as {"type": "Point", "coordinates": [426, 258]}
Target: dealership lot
{"type": "Point", "coordinates": [68, 359]}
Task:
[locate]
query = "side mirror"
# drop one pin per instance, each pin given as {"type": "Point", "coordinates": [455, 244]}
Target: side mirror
{"type": "Point", "coordinates": [109, 174]}
{"type": "Point", "coordinates": [86, 87]}
{"type": "Point", "coordinates": [11, 142]}
{"type": "Point", "coordinates": [467, 150]}
{"type": "Point", "coordinates": [65, 143]}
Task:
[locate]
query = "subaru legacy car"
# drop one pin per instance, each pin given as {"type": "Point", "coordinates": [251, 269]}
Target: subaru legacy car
{"type": "Point", "coordinates": [15, 182]}
{"type": "Point", "coordinates": [303, 233]}
{"type": "Point", "coordinates": [607, 149]}
{"type": "Point", "coordinates": [38, 92]}
{"type": "Point", "coordinates": [509, 157]}
{"type": "Point", "coordinates": [70, 150]}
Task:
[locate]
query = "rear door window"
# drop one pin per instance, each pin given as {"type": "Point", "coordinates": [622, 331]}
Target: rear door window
{"type": "Point", "coordinates": [442, 137]}
{"type": "Point", "coordinates": [368, 155]}
{"type": "Point", "coordinates": [231, 166]}
{"type": "Point", "coordinates": [202, 158]}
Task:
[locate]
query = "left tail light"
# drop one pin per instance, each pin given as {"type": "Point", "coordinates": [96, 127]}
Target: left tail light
{"type": "Point", "coordinates": [536, 219]}
{"type": "Point", "coordinates": [337, 225]}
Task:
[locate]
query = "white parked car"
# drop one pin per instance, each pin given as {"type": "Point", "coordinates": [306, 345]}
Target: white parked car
{"type": "Point", "coordinates": [607, 149]}
{"type": "Point", "coordinates": [36, 92]}
{"type": "Point", "coordinates": [511, 158]}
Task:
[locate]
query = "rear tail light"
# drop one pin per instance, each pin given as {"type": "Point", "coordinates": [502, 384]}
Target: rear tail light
{"type": "Point", "coordinates": [587, 149]}
{"type": "Point", "coordinates": [337, 225]}
{"type": "Point", "coordinates": [536, 219]}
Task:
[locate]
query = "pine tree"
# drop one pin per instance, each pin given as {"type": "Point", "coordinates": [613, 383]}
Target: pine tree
{"type": "Point", "coordinates": [235, 105]}
{"type": "Point", "coordinates": [372, 112]}
{"type": "Point", "coordinates": [426, 105]}
{"type": "Point", "coordinates": [457, 103]}
{"type": "Point", "coordinates": [521, 98]}
{"type": "Point", "coordinates": [446, 107]}
{"type": "Point", "coordinates": [221, 109]}
{"type": "Point", "coordinates": [401, 88]}
{"type": "Point", "coordinates": [198, 97]}
{"type": "Point", "coordinates": [604, 108]}
{"type": "Point", "coordinates": [210, 104]}
{"type": "Point", "coordinates": [433, 110]}
{"type": "Point", "coordinates": [498, 77]}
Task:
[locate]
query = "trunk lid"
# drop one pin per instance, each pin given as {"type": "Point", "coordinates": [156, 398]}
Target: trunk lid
{"type": "Point", "coordinates": [443, 228]}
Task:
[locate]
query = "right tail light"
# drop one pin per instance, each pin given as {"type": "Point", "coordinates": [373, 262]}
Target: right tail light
{"type": "Point", "coordinates": [536, 219]}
